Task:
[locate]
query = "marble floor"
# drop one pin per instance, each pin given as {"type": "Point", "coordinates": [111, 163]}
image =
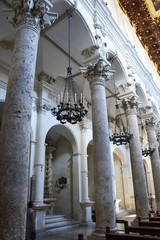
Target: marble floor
{"type": "Point", "coordinates": [71, 233]}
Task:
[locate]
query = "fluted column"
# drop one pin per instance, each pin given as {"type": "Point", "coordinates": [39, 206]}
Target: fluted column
{"type": "Point", "coordinates": [155, 161]}
{"type": "Point", "coordinates": [85, 203]}
{"type": "Point", "coordinates": [139, 182]}
{"type": "Point", "coordinates": [104, 200]}
{"type": "Point", "coordinates": [15, 130]}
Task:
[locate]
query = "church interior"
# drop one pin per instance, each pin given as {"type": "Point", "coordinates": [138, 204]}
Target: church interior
{"type": "Point", "coordinates": [80, 117]}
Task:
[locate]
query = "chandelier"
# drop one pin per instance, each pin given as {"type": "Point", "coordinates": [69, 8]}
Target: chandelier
{"type": "Point", "coordinates": [147, 151]}
{"type": "Point", "coordinates": [68, 109]}
{"type": "Point", "coordinates": [121, 135]}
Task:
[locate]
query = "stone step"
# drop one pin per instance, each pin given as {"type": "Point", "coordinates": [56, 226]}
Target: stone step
{"type": "Point", "coordinates": [58, 221]}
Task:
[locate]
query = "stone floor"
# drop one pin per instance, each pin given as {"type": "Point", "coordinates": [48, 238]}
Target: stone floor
{"type": "Point", "coordinates": [68, 233]}
{"type": "Point", "coordinates": [71, 233]}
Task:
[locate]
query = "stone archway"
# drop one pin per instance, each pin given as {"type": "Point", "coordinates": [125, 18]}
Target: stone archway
{"type": "Point", "coordinates": [60, 148]}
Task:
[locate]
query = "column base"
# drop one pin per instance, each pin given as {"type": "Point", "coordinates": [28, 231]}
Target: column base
{"type": "Point", "coordinates": [86, 212]}
{"type": "Point", "coordinates": [40, 213]}
{"type": "Point", "coordinates": [100, 235]}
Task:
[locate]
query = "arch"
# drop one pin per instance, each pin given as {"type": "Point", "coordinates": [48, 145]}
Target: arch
{"type": "Point", "coordinates": [141, 94]}
{"type": "Point", "coordinates": [55, 131]}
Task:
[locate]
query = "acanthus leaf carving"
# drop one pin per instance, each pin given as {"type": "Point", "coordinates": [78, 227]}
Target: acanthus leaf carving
{"type": "Point", "coordinates": [30, 11]}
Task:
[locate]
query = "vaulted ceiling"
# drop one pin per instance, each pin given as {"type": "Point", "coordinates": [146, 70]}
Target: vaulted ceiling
{"type": "Point", "coordinates": [144, 16]}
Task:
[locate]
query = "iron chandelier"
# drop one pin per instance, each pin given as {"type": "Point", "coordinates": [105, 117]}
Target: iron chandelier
{"type": "Point", "coordinates": [68, 109]}
{"type": "Point", "coordinates": [121, 135]}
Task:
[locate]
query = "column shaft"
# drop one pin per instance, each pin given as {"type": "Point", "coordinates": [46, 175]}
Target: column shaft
{"type": "Point", "coordinates": [15, 135]}
{"type": "Point", "coordinates": [139, 181]}
{"type": "Point", "coordinates": [155, 163]}
{"type": "Point", "coordinates": [104, 201]}
{"type": "Point", "coordinates": [40, 161]}
{"type": "Point", "coordinates": [84, 167]}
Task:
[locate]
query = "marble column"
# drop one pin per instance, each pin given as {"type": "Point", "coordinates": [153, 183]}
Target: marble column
{"type": "Point", "coordinates": [155, 160]}
{"type": "Point", "coordinates": [16, 124]}
{"type": "Point", "coordinates": [139, 182]}
{"type": "Point", "coordinates": [104, 196]}
{"type": "Point", "coordinates": [85, 202]}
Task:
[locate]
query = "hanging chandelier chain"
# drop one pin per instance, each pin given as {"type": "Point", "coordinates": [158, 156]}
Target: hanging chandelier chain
{"type": "Point", "coordinates": [69, 111]}
{"type": "Point", "coordinates": [121, 136]}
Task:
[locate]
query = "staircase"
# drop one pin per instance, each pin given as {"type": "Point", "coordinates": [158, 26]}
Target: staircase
{"type": "Point", "coordinates": [58, 221]}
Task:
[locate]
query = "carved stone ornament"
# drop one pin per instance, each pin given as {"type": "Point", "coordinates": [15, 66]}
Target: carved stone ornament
{"type": "Point", "coordinates": [30, 11]}
{"type": "Point", "coordinates": [89, 52]}
{"type": "Point", "coordinates": [127, 89]}
{"type": "Point", "coordinates": [99, 71]}
{"type": "Point", "coordinates": [45, 77]}
{"type": "Point", "coordinates": [130, 105]}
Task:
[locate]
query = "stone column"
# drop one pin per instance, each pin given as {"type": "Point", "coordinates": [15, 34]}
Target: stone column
{"type": "Point", "coordinates": [155, 161]}
{"type": "Point", "coordinates": [139, 182]}
{"type": "Point", "coordinates": [16, 125]}
{"type": "Point", "coordinates": [76, 186]}
{"type": "Point", "coordinates": [85, 203]}
{"type": "Point", "coordinates": [104, 196]}
{"type": "Point", "coordinates": [40, 158]}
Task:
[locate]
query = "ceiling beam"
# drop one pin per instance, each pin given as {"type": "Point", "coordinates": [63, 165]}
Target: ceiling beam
{"type": "Point", "coordinates": [59, 48]}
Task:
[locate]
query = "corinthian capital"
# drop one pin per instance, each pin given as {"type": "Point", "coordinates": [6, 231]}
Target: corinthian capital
{"type": "Point", "coordinates": [98, 72]}
{"type": "Point", "coordinates": [148, 114]}
{"type": "Point", "coordinates": [130, 105]}
{"type": "Point", "coordinates": [30, 11]}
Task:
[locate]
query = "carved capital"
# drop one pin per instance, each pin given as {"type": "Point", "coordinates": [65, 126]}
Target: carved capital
{"type": "Point", "coordinates": [34, 13]}
{"type": "Point", "coordinates": [99, 72]}
{"type": "Point", "coordinates": [149, 116]}
{"type": "Point", "coordinates": [130, 105]}
{"type": "Point", "coordinates": [84, 125]}
{"type": "Point", "coordinates": [151, 124]}
{"type": "Point", "coordinates": [45, 77]}
{"type": "Point", "coordinates": [42, 107]}
{"type": "Point", "coordinates": [127, 90]}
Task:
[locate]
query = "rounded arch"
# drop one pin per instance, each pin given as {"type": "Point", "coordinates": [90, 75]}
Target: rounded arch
{"type": "Point", "coordinates": [60, 130]}
{"type": "Point", "coordinates": [147, 177]}
{"type": "Point", "coordinates": [118, 152]}
{"type": "Point", "coordinates": [141, 94]}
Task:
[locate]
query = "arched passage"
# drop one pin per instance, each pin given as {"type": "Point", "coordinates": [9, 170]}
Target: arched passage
{"type": "Point", "coordinates": [59, 175]}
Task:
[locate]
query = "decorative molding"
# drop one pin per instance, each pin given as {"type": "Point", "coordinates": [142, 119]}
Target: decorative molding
{"type": "Point", "coordinates": [31, 12]}
{"type": "Point", "coordinates": [130, 105]}
{"type": "Point", "coordinates": [98, 72]}
{"type": "Point", "coordinates": [45, 77]}
{"type": "Point", "coordinates": [89, 52]}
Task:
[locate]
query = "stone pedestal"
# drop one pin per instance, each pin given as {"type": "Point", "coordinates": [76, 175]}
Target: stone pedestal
{"type": "Point", "coordinates": [104, 199]}
{"type": "Point", "coordinates": [86, 212]}
{"type": "Point", "coordinates": [40, 213]}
